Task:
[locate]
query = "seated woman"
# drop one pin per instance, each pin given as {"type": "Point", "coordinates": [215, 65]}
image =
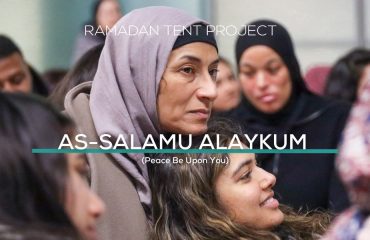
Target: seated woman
{"type": "Point", "coordinates": [234, 200]}
{"type": "Point", "coordinates": [228, 89]}
{"type": "Point", "coordinates": [354, 169]}
{"type": "Point", "coordinates": [43, 196]}
{"type": "Point", "coordinates": [276, 101]}
{"type": "Point", "coordinates": [145, 84]}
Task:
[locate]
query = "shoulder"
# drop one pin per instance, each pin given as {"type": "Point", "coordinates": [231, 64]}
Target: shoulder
{"type": "Point", "coordinates": [314, 103]}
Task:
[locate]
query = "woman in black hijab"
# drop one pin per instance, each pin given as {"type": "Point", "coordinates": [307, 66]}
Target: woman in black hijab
{"type": "Point", "coordinates": [276, 101]}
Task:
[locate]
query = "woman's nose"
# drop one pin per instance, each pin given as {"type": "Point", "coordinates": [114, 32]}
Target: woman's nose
{"type": "Point", "coordinates": [261, 81]}
{"type": "Point", "coordinates": [268, 180]}
{"type": "Point", "coordinates": [96, 206]}
{"type": "Point", "coordinates": [207, 88]}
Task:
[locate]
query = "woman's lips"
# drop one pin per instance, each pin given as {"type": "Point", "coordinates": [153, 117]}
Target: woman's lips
{"type": "Point", "coordinates": [267, 98]}
{"type": "Point", "coordinates": [270, 202]}
{"type": "Point", "coordinates": [201, 113]}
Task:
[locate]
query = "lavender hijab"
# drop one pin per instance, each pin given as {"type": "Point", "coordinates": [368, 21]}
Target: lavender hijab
{"type": "Point", "coordinates": [124, 91]}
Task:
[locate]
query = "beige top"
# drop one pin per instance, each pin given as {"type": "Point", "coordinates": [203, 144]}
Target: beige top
{"type": "Point", "coordinates": [124, 218]}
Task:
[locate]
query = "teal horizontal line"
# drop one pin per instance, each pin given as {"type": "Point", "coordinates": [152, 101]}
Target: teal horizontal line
{"type": "Point", "coordinates": [174, 151]}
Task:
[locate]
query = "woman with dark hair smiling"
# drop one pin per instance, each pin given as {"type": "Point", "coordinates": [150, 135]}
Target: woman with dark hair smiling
{"type": "Point", "coordinates": [233, 200]}
{"type": "Point", "coordinates": [42, 196]}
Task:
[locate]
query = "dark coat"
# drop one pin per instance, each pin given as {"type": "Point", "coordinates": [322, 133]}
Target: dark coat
{"type": "Point", "coordinates": [307, 181]}
{"type": "Point", "coordinates": [38, 84]}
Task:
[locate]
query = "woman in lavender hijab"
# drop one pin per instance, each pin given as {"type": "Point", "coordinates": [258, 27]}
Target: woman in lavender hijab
{"type": "Point", "coordinates": [162, 81]}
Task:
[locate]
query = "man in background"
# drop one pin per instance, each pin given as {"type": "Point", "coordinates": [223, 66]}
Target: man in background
{"type": "Point", "coordinates": [15, 73]}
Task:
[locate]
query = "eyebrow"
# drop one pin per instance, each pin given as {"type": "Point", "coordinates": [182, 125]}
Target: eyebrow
{"type": "Point", "coordinates": [198, 60]}
{"type": "Point", "coordinates": [272, 61]}
{"type": "Point", "coordinates": [267, 63]}
{"type": "Point", "coordinates": [191, 58]}
{"type": "Point", "coordinates": [242, 164]}
{"type": "Point", "coordinates": [246, 65]}
{"type": "Point", "coordinates": [17, 73]}
{"type": "Point", "coordinates": [215, 62]}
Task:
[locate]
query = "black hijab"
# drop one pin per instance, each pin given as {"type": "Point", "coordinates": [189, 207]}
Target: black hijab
{"type": "Point", "coordinates": [279, 40]}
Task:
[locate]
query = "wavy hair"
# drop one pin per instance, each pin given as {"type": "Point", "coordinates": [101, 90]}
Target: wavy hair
{"type": "Point", "coordinates": [186, 207]}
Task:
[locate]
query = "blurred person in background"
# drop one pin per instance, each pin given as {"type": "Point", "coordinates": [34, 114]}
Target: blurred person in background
{"type": "Point", "coordinates": [16, 75]}
{"type": "Point", "coordinates": [343, 82]}
{"type": "Point", "coordinates": [105, 14]}
{"type": "Point", "coordinates": [353, 164]}
{"type": "Point", "coordinates": [84, 70]}
{"type": "Point", "coordinates": [276, 101]}
{"type": "Point", "coordinates": [43, 196]}
{"type": "Point", "coordinates": [228, 89]}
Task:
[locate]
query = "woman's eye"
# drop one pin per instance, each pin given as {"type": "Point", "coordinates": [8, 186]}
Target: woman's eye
{"type": "Point", "coordinates": [17, 80]}
{"type": "Point", "coordinates": [187, 70]}
{"type": "Point", "coordinates": [213, 74]}
{"type": "Point", "coordinates": [84, 173]}
{"type": "Point", "coordinates": [246, 176]}
{"type": "Point", "coordinates": [83, 170]}
{"type": "Point", "coordinates": [273, 70]}
{"type": "Point", "coordinates": [231, 78]}
{"type": "Point", "coordinates": [248, 73]}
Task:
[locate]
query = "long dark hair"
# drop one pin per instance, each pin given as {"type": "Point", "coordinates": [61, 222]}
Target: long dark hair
{"type": "Point", "coordinates": [32, 186]}
{"type": "Point", "coordinates": [185, 205]}
{"type": "Point", "coordinates": [343, 79]}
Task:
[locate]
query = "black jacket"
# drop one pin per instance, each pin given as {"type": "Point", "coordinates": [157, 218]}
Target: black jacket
{"type": "Point", "coordinates": [307, 181]}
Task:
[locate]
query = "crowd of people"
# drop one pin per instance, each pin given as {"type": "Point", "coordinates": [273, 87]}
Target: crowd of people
{"type": "Point", "coordinates": [176, 83]}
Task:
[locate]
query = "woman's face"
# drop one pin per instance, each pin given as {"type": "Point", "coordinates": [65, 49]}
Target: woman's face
{"type": "Point", "coordinates": [108, 14]}
{"type": "Point", "coordinates": [265, 79]}
{"type": "Point", "coordinates": [228, 89]}
{"type": "Point", "coordinates": [83, 206]}
{"type": "Point", "coordinates": [244, 191]}
{"type": "Point", "coordinates": [188, 88]}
